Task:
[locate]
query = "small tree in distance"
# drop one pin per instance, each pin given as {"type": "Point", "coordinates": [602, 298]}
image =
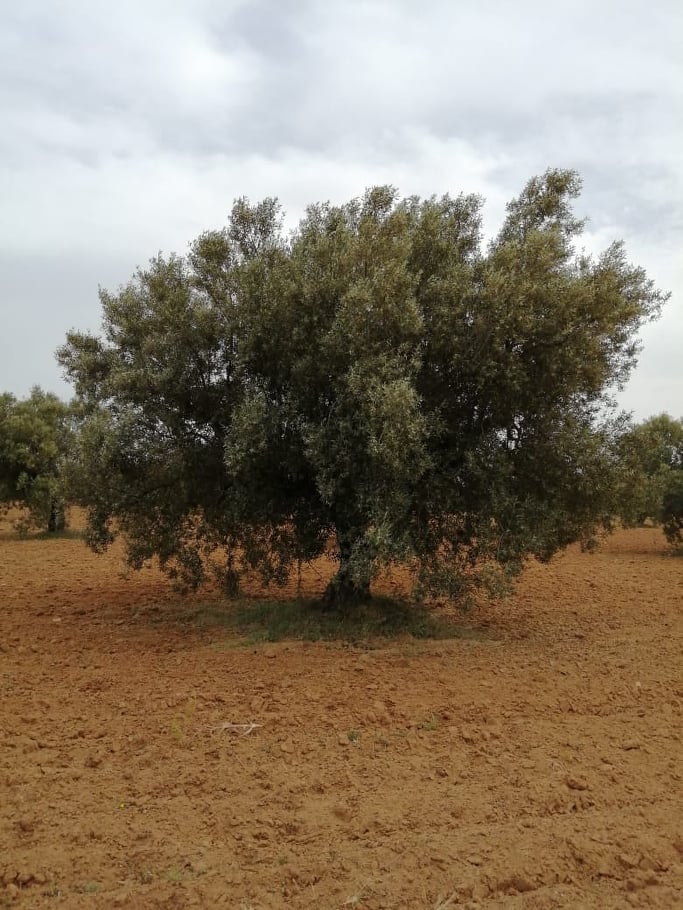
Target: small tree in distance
{"type": "Point", "coordinates": [376, 378]}
{"type": "Point", "coordinates": [672, 510]}
{"type": "Point", "coordinates": [651, 457]}
{"type": "Point", "coordinates": [35, 434]}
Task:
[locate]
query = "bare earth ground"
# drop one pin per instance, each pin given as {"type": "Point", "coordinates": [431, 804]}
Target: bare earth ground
{"type": "Point", "coordinates": [534, 764]}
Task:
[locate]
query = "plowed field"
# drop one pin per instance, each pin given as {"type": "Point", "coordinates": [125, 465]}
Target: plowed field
{"type": "Point", "coordinates": [536, 762]}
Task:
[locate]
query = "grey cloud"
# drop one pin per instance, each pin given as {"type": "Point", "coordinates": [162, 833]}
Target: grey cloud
{"type": "Point", "coordinates": [143, 120]}
{"type": "Point", "coordinates": [317, 76]}
{"type": "Point", "coordinates": [40, 300]}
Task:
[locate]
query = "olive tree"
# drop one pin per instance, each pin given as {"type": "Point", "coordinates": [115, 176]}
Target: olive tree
{"type": "Point", "coordinates": [34, 439]}
{"type": "Point", "coordinates": [672, 510]}
{"type": "Point", "coordinates": [650, 455]}
{"type": "Point", "coordinates": [379, 378]}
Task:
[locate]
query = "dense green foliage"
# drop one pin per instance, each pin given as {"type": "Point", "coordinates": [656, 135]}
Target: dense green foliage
{"type": "Point", "coordinates": [650, 455]}
{"type": "Point", "coordinates": [672, 510]}
{"type": "Point", "coordinates": [377, 378]}
{"type": "Point", "coordinates": [34, 439]}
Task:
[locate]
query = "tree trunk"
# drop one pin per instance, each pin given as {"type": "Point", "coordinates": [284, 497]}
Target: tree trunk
{"type": "Point", "coordinates": [56, 520]}
{"type": "Point", "coordinates": [348, 587]}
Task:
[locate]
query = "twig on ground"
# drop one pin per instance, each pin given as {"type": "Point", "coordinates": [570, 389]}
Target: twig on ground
{"type": "Point", "coordinates": [239, 729]}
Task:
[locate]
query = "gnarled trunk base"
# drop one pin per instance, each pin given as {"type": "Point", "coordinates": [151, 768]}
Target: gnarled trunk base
{"type": "Point", "coordinates": [351, 585]}
{"type": "Point", "coordinates": [56, 519]}
{"type": "Point", "coordinates": [345, 591]}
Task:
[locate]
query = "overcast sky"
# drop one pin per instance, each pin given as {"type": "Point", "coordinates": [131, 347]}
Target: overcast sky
{"type": "Point", "coordinates": [129, 128]}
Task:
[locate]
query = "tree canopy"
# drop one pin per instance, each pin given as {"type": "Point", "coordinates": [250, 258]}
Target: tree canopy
{"type": "Point", "coordinates": [34, 439]}
{"type": "Point", "coordinates": [648, 452]}
{"type": "Point", "coordinates": [651, 475]}
{"type": "Point", "coordinates": [378, 377]}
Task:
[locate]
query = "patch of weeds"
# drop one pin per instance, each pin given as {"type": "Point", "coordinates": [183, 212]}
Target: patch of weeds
{"type": "Point", "coordinates": [411, 649]}
{"type": "Point", "coordinates": [66, 534]}
{"type": "Point", "coordinates": [174, 875]}
{"type": "Point", "coordinates": [176, 731]}
{"type": "Point", "coordinates": [257, 621]}
{"type": "Point", "coordinates": [23, 528]}
{"type": "Point", "coordinates": [354, 736]}
{"type": "Point", "coordinates": [431, 723]}
{"type": "Point", "coordinates": [88, 888]}
{"type": "Point", "coordinates": [446, 903]}
{"type": "Point", "coordinates": [52, 891]}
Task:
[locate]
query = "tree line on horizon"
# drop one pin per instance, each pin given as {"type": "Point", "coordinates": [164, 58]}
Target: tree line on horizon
{"type": "Point", "coordinates": [378, 378]}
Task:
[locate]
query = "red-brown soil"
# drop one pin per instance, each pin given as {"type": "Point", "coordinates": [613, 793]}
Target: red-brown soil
{"type": "Point", "coordinates": [534, 764]}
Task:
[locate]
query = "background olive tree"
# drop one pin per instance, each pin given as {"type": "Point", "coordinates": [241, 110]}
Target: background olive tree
{"type": "Point", "coordinates": [35, 435]}
{"type": "Point", "coordinates": [649, 452]}
{"type": "Point", "coordinates": [651, 479]}
{"type": "Point", "coordinates": [378, 377]}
